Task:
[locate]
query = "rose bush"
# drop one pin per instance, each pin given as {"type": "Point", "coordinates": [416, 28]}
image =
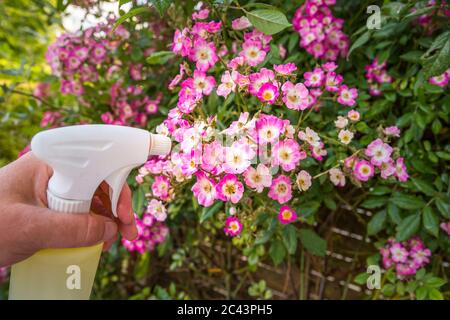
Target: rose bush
{"type": "Point", "coordinates": [281, 131]}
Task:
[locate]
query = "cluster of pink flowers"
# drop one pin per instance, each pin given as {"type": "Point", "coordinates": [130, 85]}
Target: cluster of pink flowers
{"type": "Point", "coordinates": [376, 74]}
{"type": "Point", "coordinates": [87, 57]}
{"type": "Point", "coordinates": [406, 257]}
{"type": "Point", "coordinates": [441, 80]}
{"type": "Point", "coordinates": [426, 20]}
{"type": "Point", "coordinates": [259, 153]}
{"type": "Point", "coordinates": [151, 232]}
{"type": "Point", "coordinates": [320, 32]}
{"type": "Point", "coordinates": [380, 154]}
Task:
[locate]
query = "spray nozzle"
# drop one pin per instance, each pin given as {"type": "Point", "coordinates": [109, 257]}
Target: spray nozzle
{"type": "Point", "coordinates": [85, 155]}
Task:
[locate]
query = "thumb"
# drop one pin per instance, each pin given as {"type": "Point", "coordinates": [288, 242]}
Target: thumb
{"type": "Point", "coordinates": [52, 229]}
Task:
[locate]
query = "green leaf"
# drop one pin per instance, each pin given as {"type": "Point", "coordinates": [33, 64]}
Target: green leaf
{"type": "Point", "coordinates": [268, 21]}
{"type": "Point", "coordinates": [160, 57]}
{"type": "Point", "coordinates": [312, 242]}
{"type": "Point", "coordinates": [380, 190]}
{"type": "Point", "coordinates": [388, 289]}
{"type": "Point", "coordinates": [435, 282]}
{"type": "Point", "coordinates": [210, 211]}
{"type": "Point", "coordinates": [289, 236]}
{"type": "Point", "coordinates": [443, 155]}
{"type": "Point", "coordinates": [330, 203]}
{"type": "Point", "coordinates": [430, 221]}
{"type": "Point", "coordinates": [133, 12]}
{"type": "Point", "coordinates": [141, 268]}
{"type": "Point", "coordinates": [412, 56]}
{"type": "Point", "coordinates": [421, 293]}
{"type": "Point", "coordinates": [407, 202]}
{"type": "Point", "coordinates": [138, 200]}
{"type": "Point", "coordinates": [393, 213]}
{"type": "Point", "coordinates": [308, 208]}
{"type": "Point", "coordinates": [267, 234]}
{"type": "Point", "coordinates": [436, 126]}
{"type": "Point", "coordinates": [435, 294]}
{"type": "Point", "coordinates": [161, 5]}
{"type": "Point", "coordinates": [420, 274]}
{"type": "Point", "coordinates": [361, 278]}
{"type": "Point", "coordinates": [408, 227]}
{"type": "Point", "coordinates": [376, 223]}
{"type": "Point", "coordinates": [277, 252]}
{"type": "Point", "coordinates": [424, 186]}
{"type": "Point", "coordinates": [443, 208]}
{"type": "Point", "coordinates": [400, 288]}
{"type": "Point", "coordinates": [374, 202]}
{"type": "Point", "coordinates": [359, 42]}
{"type": "Point", "coordinates": [438, 43]}
{"type": "Point", "coordinates": [438, 63]}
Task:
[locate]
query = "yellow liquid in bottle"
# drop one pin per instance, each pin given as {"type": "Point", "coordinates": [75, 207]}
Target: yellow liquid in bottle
{"type": "Point", "coordinates": [56, 274]}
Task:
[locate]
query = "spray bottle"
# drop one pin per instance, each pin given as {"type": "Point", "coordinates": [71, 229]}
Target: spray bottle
{"type": "Point", "coordinates": [82, 157]}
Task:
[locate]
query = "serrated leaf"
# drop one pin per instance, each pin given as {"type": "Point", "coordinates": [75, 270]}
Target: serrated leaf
{"type": "Point", "coordinates": [394, 213]}
{"type": "Point", "coordinates": [376, 223]}
{"type": "Point", "coordinates": [268, 21]}
{"type": "Point", "coordinates": [277, 252]}
{"type": "Point", "coordinates": [438, 63]}
{"type": "Point", "coordinates": [424, 186]}
{"type": "Point", "coordinates": [406, 201]}
{"type": "Point", "coordinates": [435, 294]}
{"type": "Point", "coordinates": [435, 282]}
{"type": "Point", "coordinates": [161, 5]}
{"type": "Point", "coordinates": [313, 242]}
{"type": "Point", "coordinates": [430, 221]}
{"type": "Point", "coordinates": [412, 56]}
{"type": "Point", "coordinates": [289, 236]}
{"type": "Point", "coordinates": [374, 202]}
{"type": "Point", "coordinates": [408, 227]}
{"type": "Point", "coordinates": [438, 43]}
{"type": "Point", "coordinates": [443, 208]}
{"type": "Point", "coordinates": [421, 293]}
{"type": "Point", "coordinates": [380, 190]}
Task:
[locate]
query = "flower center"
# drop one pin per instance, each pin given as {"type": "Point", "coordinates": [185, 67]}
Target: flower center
{"type": "Point", "coordinates": [293, 98]}
{"type": "Point", "coordinates": [284, 155]}
{"type": "Point", "coordinates": [230, 188]}
{"type": "Point", "coordinates": [252, 53]}
{"type": "Point", "coordinates": [287, 215]}
{"type": "Point", "coordinates": [207, 187]}
{"type": "Point", "coordinates": [257, 178]}
{"type": "Point", "coordinates": [281, 188]}
{"type": "Point", "coordinates": [267, 95]}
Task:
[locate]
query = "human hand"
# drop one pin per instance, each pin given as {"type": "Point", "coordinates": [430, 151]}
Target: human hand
{"type": "Point", "coordinates": [27, 225]}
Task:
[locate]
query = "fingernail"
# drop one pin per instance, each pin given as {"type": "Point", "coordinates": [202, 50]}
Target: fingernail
{"type": "Point", "coordinates": [110, 230]}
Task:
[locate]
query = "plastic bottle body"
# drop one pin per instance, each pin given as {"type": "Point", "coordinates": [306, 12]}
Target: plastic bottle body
{"type": "Point", "coordinates": [56, 274]}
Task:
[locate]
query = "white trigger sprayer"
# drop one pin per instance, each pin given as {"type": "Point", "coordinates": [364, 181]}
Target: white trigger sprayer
{"type": "Point", "coordinates": [81, 157]}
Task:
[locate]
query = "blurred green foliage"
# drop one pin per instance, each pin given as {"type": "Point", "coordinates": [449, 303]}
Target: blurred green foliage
{"type": "Point", "coordinates": [26, 29]}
